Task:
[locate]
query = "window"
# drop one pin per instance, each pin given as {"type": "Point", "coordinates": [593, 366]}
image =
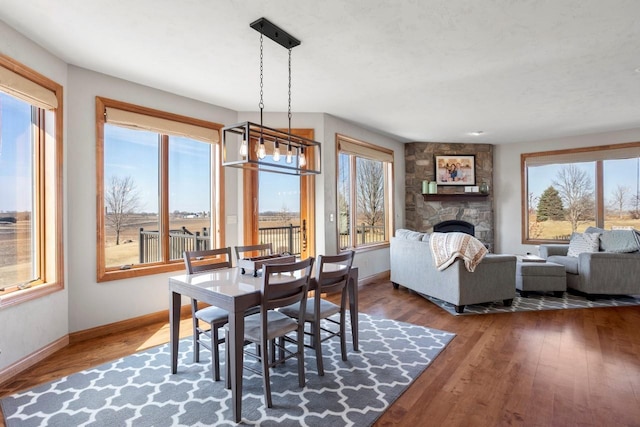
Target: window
{"type": "Point", "coordinates": [567, 191]}
{"type": "Point", "coordinates": [365, 207]}
{"type": "Point", "coordinates": [31, 252]}
{"type": "Point", "coordinates": [159, 184]}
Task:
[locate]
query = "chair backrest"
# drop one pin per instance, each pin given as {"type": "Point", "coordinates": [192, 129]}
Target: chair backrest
{"type": "Point", "coordinates": [212, 259]}
{"type": "Point", "coordinates": [285, 284]}
{"type": "Point", "coordinates": [256, 250]}
{"type": "Point", "coordinates": [332, 272]}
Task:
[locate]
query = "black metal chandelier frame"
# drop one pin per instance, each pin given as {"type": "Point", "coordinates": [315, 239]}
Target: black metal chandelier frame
{"type": "Point", "coordinates": [245, 145]}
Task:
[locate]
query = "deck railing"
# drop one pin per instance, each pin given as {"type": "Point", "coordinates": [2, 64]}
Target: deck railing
{"type": "Point", "coordinates": [283, 239]}
{"type": "Point", "coordinates": [179, 241]}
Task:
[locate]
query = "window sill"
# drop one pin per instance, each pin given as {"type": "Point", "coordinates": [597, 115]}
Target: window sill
{"type": "Point", "coordinates": [24, 295]}
{"type": "Point", "coordinates": [139, 271]}
{"type": "Point", "coordinates": [372, 247]}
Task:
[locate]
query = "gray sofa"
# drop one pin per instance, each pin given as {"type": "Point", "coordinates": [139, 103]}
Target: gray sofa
{"type": "Point", "coordinates": [412, 266]}
{"type": "Point", "coordinates": [597, 273]}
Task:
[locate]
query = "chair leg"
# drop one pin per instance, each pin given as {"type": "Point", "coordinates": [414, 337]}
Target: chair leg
{"type": "Point", "coordinates": [196, 334]}
{"type": "Point", "coordinates": [301, 378]}
{"type": "Point", "coordinates": [266, 381]}
{"type": "Point", "coordinates": [343, 340]}
{"type": "Point", "coordinates": [215, 353]}
{"type": "Point", "coordinates": [317, 345]}
{"type": "Point", "coordinates": [272, 352]}
{"type": "Point", "coordinates": [227, 375]}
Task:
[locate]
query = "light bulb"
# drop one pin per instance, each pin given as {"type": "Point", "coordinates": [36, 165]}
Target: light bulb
{"type": "Point", "coordinates": [303, 159]}
{"type": "Point", "coordinates": [276, 151]}
{"type": "Point", "coordinates": [289, 154]}
{"type": "Point", "coordinates": [244, 148]}
{"type": "Point", "coordinates": [262, 152]}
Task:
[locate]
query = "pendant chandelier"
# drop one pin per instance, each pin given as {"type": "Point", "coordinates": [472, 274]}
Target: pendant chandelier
{"type": "Point", "coordinates": [254, 146]}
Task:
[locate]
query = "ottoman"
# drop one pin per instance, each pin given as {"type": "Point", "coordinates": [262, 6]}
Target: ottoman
{"type": "Point", "coordinates": [541, 277]}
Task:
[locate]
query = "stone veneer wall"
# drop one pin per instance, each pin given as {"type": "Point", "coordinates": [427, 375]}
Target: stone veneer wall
{"type": "Point", "coordinates": [420, 165]}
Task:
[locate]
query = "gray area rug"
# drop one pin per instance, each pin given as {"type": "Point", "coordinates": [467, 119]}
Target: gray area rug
{"type": "Point", "coordinates": [540, 301]}
{"type": "Point", "coordinates": [139, 390]}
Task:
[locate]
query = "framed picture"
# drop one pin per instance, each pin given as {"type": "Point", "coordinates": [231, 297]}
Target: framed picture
{"type": "Point", "coordinates": [455, 169]}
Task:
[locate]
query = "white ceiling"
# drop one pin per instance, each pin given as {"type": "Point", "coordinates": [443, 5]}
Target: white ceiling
{"type": "Point", "coordinates": [420, 70]}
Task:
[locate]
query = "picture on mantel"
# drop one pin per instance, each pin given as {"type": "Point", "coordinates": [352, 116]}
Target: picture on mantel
{"type": "Point", "coordinates": [455, 169]}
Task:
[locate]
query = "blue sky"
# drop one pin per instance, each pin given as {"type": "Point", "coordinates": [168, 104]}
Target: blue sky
{"type": "Point", "coordinates": [15, 169]}
{"type": "Point", "coordinates": [623, 172]}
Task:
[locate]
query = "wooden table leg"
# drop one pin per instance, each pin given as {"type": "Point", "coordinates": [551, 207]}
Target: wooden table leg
{"type": "Point", "coordinates": [353, 307]}
{"type": "Point", "coordinates": [174, 329]}
{"type": "Point", "coordinates": [235, 349]}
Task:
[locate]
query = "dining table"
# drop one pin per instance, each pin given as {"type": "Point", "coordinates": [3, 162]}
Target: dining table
{"type": "Point", "coordinates": [235, 292]}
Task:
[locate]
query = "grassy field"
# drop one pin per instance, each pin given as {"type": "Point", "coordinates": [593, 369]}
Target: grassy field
{"type": "Point", "coordinates": [15, 253]}
{"type": "Point", "coordinates": [128, 251]}
{"type": "Point", "coordinates": [550, 229]}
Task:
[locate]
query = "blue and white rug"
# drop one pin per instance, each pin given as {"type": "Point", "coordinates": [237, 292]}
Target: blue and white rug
{"type": "Point", "coordinates": [139, 390]}
{"type": "Point", "coordinates": [539, 301]}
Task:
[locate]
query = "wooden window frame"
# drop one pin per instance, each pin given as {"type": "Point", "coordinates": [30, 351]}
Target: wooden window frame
{"type": "Point", "coordinates": [307, 194]}
{"type": "Point", "coordinates": [105, 273]}
{"type": "Point", "coordinates": [387, 158]}
{"type": "Point", "coordinates": [48, 178]}
{"type": "Point", "coordinates": [563, 154]}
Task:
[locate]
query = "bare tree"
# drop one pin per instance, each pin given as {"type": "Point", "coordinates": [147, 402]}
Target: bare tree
{"type": "Point", "coordinates": [635, 206]}
{"type": "Point", "coordinates": [576, 190]}
{"type": "Point", "coordinates": [284, 215]}
{"type": "Point", "coordinates": [532, 203]}
{"type": "Point", "coordinates": [121, 201]}
{"type": "Point", "coordinates": [370, 178]}
{"type": "Point", "coordinates": [620, 198]}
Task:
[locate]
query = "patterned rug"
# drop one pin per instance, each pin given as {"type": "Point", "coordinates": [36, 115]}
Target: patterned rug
{"type": "Point", "coordinates": [138, 390]}
{"type": "Point", "coordinates": [540, 301]}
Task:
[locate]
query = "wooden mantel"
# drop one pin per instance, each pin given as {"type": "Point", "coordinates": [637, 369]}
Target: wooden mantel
{"type": "Point", "coordinates": [454, 197]}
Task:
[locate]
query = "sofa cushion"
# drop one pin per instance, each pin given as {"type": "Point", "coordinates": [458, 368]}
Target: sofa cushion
{"type": "Point", "coordinates": [619, 241]}
{"type": "Point", "coordinates": [583, 242]}
{"type": "Point", "coordinates": [409, 234]}
{"type": "Point", "coordinates": [570, 263]}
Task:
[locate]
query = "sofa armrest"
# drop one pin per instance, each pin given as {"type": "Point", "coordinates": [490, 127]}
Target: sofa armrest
{"type": "Point", "coordinates": [553, 249]}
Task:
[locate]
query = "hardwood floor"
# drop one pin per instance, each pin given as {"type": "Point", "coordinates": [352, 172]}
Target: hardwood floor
{"type": "Point", "coordinates": [547, 368]}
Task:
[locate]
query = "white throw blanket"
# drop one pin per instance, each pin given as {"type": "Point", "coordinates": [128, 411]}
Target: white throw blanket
{"type": "Point", "coordinates": [447, 247]}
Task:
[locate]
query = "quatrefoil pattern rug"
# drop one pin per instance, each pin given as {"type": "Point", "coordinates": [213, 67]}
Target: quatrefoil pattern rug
{"type": "Point", "coordinates": [541, 301]}
{"type": "Point", "coordinates": [139, 390]}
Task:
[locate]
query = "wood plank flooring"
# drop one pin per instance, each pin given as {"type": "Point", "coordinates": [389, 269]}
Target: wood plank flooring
{"type": "Point", "coordinates": [546, 368]}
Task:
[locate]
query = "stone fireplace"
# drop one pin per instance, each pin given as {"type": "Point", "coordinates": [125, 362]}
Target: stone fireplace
{"type": "Point", "coordinates": [451, 203]}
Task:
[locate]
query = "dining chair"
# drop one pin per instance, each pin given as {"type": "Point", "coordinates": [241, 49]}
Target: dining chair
{"type": "Point", "coordinates": [282, 285]}
{"type": "Point", "coordinates": [332, 276]}
{"type": "Point", "coordinates": [214, 317]}
{"type": "Point", "coordinates": [256, 250]}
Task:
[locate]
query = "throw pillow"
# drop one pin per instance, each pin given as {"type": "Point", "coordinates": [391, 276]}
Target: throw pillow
{"type": "Point", "coordinates": [619, 241]}
{"type": "Point", "coordinates": [594, 230]}
{"type": "Point", "coordinates": [583, 242]}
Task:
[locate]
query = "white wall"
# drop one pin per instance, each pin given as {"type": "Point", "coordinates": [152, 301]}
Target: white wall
{"type": "Point", "coordinates": [90, 303]}
{"type": "Point", "coordinates": [28, 327]}
{"type": "Point", "coordinates": [507, 182]}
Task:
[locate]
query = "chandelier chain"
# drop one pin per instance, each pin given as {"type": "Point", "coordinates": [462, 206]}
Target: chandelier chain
{"type": "Point", "coordinates": [261, 104]}
{"type": "Point", "coordinates": [289, 113]}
